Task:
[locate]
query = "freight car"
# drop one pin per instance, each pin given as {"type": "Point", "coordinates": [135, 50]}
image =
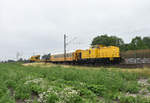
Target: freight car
{"type": "Point", "coordinates": [60, 58]}
{"type": "Point", "coordinates": [35, 58]}
{"type": "Point", "coordinates": [95, 54]}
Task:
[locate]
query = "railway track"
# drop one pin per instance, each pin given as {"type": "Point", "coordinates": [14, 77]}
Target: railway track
{"type": "Point", "coordinates": [121, 65]}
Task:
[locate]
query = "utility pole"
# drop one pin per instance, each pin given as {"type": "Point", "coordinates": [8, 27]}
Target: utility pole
{"type": "Point", "coordinates": [64, 47]}
{"type": "Point", "coordinates": [17, 55]}
{"type": "Point", "coordinates": [67, 43]}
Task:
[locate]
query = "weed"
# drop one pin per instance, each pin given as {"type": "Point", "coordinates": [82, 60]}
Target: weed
{"type": "Point", "coordinates": [57, 84]}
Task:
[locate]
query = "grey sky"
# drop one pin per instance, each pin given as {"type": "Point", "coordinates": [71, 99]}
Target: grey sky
{"type": "Point", "coordinates": [38, 26]}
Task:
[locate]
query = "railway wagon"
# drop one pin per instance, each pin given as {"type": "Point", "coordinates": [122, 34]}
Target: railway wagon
{"type": "Point", "coordinates": [35, 58]}
{"type": "Point", "coordinates": [59, 58]}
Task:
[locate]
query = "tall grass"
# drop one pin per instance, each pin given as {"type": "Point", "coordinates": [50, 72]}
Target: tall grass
{"type": "Point", "coordinates": [86, 86]}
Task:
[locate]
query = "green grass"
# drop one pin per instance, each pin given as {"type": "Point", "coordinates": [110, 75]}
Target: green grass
{"type": "Point", "coordinates": [67, 85]}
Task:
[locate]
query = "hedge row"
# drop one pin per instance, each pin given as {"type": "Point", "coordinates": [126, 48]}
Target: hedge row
{"type": "Point", "coordinates": [136, 54]}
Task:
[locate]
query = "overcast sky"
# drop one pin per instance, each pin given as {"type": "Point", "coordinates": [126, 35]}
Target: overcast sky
{"type": "Point", "coordinates": [37, 26]}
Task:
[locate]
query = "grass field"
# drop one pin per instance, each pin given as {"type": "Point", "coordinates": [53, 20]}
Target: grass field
{"type": "Point", "coordinates": [49, 83]}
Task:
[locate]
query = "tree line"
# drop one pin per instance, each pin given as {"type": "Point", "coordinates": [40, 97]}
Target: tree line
{"type": "Point", "coordinates": [136, 43]}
